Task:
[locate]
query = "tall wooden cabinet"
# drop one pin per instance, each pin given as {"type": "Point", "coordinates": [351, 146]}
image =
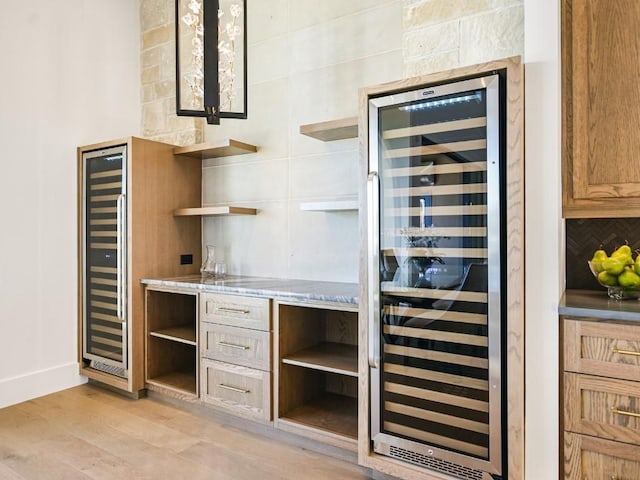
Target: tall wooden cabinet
{"type": "Point", "coordinates": [601, 108]}
{"type": "Point", "coordinates": [130, 215]}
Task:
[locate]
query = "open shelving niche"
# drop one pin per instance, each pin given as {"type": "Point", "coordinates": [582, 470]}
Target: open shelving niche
{"type": "Point", "coordinates": [172, 339]}
{"type": "Point", "coordinates": [330, 131]}
{"type": "Point", "coordinates": [316, 384]}
{"type": "Point", "coordinates": [223, 148]}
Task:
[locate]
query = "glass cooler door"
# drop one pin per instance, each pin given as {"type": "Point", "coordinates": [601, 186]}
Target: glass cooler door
{"type": "Point", "coordinates": [434, 162]}
{"type": "Point", "coordinates": [104, 257]}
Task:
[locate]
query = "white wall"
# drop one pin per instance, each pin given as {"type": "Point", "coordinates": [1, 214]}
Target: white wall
{"type": "Point", "coordinates": [70, 77]}
{"type": "Point", "coordinates": [544, 235]}
{"type": "Point", "coordinates": [307, 60]}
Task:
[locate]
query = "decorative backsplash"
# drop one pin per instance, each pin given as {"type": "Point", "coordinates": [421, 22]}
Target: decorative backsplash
{"type": "Point", "coordinates": [584, 236]}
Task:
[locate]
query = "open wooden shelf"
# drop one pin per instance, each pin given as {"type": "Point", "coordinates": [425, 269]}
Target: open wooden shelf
{"type": "Point", "coordinates": [183, 381]}
{"type": "Point", "coordinates": [223, 148]}
{"type": "Point", "coordinates": [333, 206]}
{"type": "Point", "coordinates": [327, 357]}
{"type": "Point", "coordinates": [332, 130]}
{"type": "Point", "coordinates": [337, 414]}
{"type": "Point", "coordinates": [171, 340]}
{"type": "Point", "coordinates": [183, 334]}
{"type": "Point", "coordinates": [213, 211]}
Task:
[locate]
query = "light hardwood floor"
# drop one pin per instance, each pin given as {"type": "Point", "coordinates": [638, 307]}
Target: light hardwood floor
{"type": "Point", "coordinates": [90, 433]}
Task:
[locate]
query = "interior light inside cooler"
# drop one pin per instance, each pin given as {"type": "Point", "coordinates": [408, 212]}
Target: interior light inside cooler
{"type": "Point", "coordinates": [477, 96]}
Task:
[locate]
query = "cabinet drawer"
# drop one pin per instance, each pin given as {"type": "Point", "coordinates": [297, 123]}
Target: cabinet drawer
{"type": "Point", "coordinates": [594, 458]}
{"type": "Point", "coordinates": [601, 348]}
{"type": "Point", "coordinates": [239, 390]}
{"type": "Point", "coordinates": [603, 407]}
{"type": "Point", "coordinates": [234, 310]}
{"type": "Point", "coordinates": [242, 346]}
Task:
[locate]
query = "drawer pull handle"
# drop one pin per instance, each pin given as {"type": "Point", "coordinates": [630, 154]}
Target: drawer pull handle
{"type": "Point", "coordinates": [625, 352]}
{"type": "Point", "coordinates": [233, 310]}
{"type": "Point", "coordinates": [233, 345]}
{"type": "Point", "coordinates": [233, 389]}
{"type": "Point", "coordinates": [623, 412]}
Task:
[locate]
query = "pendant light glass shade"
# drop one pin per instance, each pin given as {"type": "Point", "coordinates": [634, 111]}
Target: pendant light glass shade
{"type": "Point", "coordinates": [211, 59]}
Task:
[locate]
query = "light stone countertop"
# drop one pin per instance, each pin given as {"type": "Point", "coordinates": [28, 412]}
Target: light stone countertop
{"type": "Point", "coordinates": [596, 303]}
{"type": "Point", "coordinates": [284, 289]}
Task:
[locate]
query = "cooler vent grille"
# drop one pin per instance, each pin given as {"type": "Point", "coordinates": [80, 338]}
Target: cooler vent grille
{"type": "Point", "coordinates": [119, 371]}
{"type": "Point", "coordinates": [459, 471]}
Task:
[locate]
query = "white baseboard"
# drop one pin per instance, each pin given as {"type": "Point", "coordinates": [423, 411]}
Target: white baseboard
{"type": "Point", "coordinates": [36, 384]}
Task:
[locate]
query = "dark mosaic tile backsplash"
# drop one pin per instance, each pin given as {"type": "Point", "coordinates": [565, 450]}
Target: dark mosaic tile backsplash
{"type": "Point", "coordinates": [584, 236]}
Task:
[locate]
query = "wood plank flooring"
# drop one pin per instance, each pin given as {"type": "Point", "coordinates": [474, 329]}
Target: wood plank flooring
{"type": "Point", "coordinates": [90, 433]}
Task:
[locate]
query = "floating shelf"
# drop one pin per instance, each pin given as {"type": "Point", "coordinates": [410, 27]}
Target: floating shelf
{"type": "Point", "coordinates": [334, 206]}
{"type": "Point", "coordinates": [223, 148]}
{"type": "Point", "coordinates": [327, 357]}
{"type": "Point", "coordinates": [213, 211]}
{"type": "Point", "coordinates": [332, 130]}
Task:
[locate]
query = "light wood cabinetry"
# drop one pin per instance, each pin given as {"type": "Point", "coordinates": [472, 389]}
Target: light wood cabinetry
{"type": "Point", "coordinates": [601, 398]}
{"type": "Point", "coordinates": [172, 339]}
{"type": "Point", "coordinates": [601, 102]}
{"type": "Point", "coordinates": [235, 350]}
{"type": "Point", "coordinates": [156, 244]}
{"type": "Point", "coordinates": [261, 358]}
{"type": "Point", "coordinates": [316, 380]}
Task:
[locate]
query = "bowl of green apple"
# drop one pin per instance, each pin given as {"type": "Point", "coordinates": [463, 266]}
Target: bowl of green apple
{"type": "Point", "coordinates": [619, 272]}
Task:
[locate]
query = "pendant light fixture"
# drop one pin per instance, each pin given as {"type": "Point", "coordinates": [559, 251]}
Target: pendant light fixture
{"type": "Point", "coordinates": [211, 59]}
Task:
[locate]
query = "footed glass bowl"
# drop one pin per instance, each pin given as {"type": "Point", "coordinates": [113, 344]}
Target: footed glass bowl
{"type": "Point", "coordinates": [614, 291]}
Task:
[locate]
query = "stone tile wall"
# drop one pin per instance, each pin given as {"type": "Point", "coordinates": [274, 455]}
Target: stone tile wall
{"type": "Point", "coordinates": [306, 62]}
{"type": "Point", "coordinates": [158, 77]}
{"type": "Point", "coordinates": [443, 34]}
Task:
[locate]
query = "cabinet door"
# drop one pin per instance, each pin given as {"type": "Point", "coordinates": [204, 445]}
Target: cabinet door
{"type": "Point", "coordinates": [236, 311]}
{"type": "Point", "coordinates": [239, 390]}
{"type": "Point", "coordinates": [604, 349]}
{"type": "Point", "coordinates": [242, 346]}
{"type": "Point", "coordinates": [602, 407]}
{"type": "Point", "coordinates": [593, 458]}
{"type": "Point", "coordinates": [601, 45]}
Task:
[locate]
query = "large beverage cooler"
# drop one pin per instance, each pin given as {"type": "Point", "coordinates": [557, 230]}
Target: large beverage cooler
{"type": "Point", "coordinates": [436, 301]}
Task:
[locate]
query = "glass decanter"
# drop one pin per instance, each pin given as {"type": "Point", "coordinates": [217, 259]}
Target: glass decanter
{"type": "Point", "coordinates": [208, 263]}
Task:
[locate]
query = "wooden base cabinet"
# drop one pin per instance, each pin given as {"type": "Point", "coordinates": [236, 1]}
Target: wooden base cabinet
{"type": "Point", "coordinates": [316, 372]}
{"type": "Point", "coordinates": [235, 350]}
{"type": "Point", "coordinates": [601, 399]}
{"type": "Point", "coordinates": [172, 339]}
